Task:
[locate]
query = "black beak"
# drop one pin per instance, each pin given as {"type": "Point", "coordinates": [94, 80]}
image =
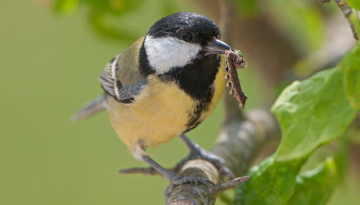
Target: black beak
{"type": "Point", "coordinates": [216, 47]}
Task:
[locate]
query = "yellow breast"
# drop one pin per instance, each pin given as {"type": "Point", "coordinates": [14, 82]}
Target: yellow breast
{"type": "Point", "coordinates": [158, 114]}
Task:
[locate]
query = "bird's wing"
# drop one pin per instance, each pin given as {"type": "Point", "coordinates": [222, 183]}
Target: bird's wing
{"type": "Point", "coordinates": [91, 108]}
{"type": "Point", "coordinates": [121, 77]}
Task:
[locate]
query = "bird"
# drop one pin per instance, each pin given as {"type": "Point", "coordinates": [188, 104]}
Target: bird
{"type": "Point", "coordinates": [162, 86]}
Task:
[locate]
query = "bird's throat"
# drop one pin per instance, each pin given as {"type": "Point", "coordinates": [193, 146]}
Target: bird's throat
{"type": "Point", "coordinates": [196, 79]}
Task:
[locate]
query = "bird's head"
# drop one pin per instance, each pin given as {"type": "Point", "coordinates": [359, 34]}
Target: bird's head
{"type": "Point", "coordinates": [180, 39]}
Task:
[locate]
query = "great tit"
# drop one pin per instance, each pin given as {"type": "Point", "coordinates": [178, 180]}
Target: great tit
{"type": "Point", "coordinates": [163, 85]}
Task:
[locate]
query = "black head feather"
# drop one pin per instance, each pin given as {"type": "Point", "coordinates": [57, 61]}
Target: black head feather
{"type": "Point", "coordinates": [203, 29]}
{"type": "Point", "coordinates": [196, 78]}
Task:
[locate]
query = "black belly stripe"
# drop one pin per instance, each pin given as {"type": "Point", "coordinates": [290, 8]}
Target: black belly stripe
{"type": "Point", "coordinates": [201, 107]}
{"type": "Point", "coordinates": [197, 80]}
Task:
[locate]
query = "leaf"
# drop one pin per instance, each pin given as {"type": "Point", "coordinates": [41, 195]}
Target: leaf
{"type": "Point", "coordinates": [352, 76]}
{"type": "Point", "coordinates": [270, 183]}
{"type": "Point", "coordinates": [315, 186]}
{"type": "Point", "coordinates": [107, 25]}
{"type": "Point", "coordinates": [354, 4]}
{"type": "Point", "coordinates": [310, 113]}
{"type": "Point", "coordinates": [247, 8]}
{"type": "Point", "coordinates": [66, 7]}
{"type": "Point", "coordinates": [117, 7]}
{"type": "Point", "coordinates": [318, 109]}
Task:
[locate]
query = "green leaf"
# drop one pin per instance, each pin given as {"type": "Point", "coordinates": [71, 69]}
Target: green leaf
{"type": "Point", "coordinates": [354, 4]}
{"type": "Point", "coordinates": [106, 25]}
{"type": "Point", "coordinates": [247, 8]}
{"type": "Point", "coordinates": [352, 76]}
{"type": "Point", "coordinates": [118, 7]}
{"type": "Point", "coordinates": [66, 7]}
{"type": "Point", "coordinates": [310, 113]}
{"type": "Point", "coordinates": [271, 182]}
{"type": "Point", "coordinates": [315, 186]}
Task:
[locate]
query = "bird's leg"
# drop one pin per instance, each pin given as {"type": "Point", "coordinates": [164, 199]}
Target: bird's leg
{"type": "Point", "coordinates": [196, 152]}
{"type": "Point", "coordinates": [173, 178]}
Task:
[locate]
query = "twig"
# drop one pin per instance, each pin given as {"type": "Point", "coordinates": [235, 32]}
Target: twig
{"type": "Point", "coordinates": [347, 11]}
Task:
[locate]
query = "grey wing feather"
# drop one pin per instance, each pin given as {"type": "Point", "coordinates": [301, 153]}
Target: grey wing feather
{"type": "Point", "coordinates": [107, 82]}
{"type": "Point", "coordinates": [123, 82]}
{"type": "Point", "coordinates": [91, 108]}
{"type": "Point", "coordinates": [128, 92]}
{"type": "Point", "coordinates": [119, 89]}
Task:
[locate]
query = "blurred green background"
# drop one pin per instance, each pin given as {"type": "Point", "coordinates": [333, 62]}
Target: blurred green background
{"type": "Point", "coordinates": [48, 69]}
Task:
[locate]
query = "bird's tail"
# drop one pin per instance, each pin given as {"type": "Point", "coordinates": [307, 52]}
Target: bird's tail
{"type": "Point", "coordinates": [91, 108]}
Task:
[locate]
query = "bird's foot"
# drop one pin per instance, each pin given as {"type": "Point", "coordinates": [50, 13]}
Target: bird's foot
{"type": "Point", "coordinates": [174, 179]}
{"type": "Point", "coordinates": [196, 152]}
{"type": "Point", "coordinates": [156, 169]}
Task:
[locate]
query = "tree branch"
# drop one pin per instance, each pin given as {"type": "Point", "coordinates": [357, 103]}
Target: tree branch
{"type": "Point", "coordinates": [237, 144]}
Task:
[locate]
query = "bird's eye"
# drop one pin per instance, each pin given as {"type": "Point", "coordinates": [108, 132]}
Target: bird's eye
{"type": "Point", "coordinates": [186, 36]}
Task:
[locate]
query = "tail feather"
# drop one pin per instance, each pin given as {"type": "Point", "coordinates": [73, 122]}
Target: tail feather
{"type": "Point", "coordinates": [91, 108]}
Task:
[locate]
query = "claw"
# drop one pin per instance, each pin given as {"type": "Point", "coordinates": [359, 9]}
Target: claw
{"type": "Point", "coordinates": [173, 178]}
{"type": "Point", "coordinates": [196, 152]}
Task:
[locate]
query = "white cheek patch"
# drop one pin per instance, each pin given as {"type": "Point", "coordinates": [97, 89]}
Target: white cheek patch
{"type": "Point", "coordinates": [168, 52]}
